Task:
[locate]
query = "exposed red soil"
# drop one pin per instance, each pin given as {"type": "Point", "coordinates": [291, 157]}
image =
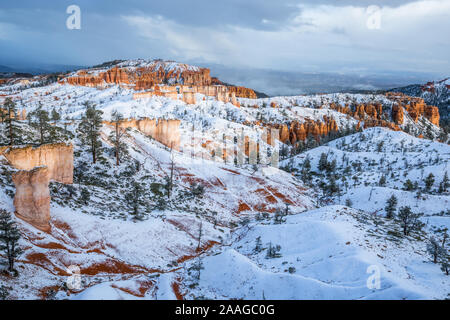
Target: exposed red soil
{"type": "Point", "coordinates": [111, 266]}
{"type": "Point", "coordinates": [208, 245]}
{"type": "Point", "coordinates": [40, 259]}
{"type": "Point", "coordinates": [232, 171]}
{"type": "Point", "coordinates": [144, 286]}
{"type": "Point", "coordinates": [176, 289]}
{"type": "Point", "coordinates": [243, 207]}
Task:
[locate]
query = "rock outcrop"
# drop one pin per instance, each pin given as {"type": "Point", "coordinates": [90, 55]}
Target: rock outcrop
{"type": "Point", "coordinates": [416, 107]}
{"type": "Point", "coordinates": [32, 198]}
{"type": "Point", "coordinates": [296, 131]}
{"type": "Point", "coordinates": [397, 114]}
{"type": "Point", "coordinates": [58, 158]}
{"type": "Point", "coordinates": [166, 132]}
{"type": "Point", "coordinates": [145, 75]}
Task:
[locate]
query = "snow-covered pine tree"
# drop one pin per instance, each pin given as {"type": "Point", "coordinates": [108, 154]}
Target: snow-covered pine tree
{"type": "Point", "coordinates": [9, 239]}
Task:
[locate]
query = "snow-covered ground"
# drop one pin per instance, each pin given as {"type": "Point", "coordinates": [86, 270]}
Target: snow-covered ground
{"type": "Point", "coordinates": [325, 253]}
{"type": "Point", "coordinates": [328, 253]}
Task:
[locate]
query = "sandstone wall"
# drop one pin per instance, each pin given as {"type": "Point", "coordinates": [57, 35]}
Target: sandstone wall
{"type": "Point", "coordinates": [166, 132]}
{"type": "Point", "coordinates": [32, 198]}
{"type": "Point", "coordinates": [296, 131]}
{"type": "Point", "coordinates": [58, 158]}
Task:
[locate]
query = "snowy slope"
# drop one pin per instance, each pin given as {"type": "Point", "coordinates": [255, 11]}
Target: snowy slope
{"type": "Point", "coordinates": [328, 252]}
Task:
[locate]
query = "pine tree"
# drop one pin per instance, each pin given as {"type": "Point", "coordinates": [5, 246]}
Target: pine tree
{"type": "Point", "coordinates": [382, 181]}
{"type": "Point", "coordinates": [333, 187]}
{"type": "Point", "coordinates": [435, 250]}
{"type": "Point", "coordinates": [85, 196]}
{"type": "Point", "coordinates": [4, 292]}
{"type": "Point", "coordinates": [9, 239]}
{"type": "Point", "coordinates": [258, 245]}
{"type": "Point", "coordinates": [134, 200]}
{"type": "Point", "coordinates": [429, 181]}
{"type": "Point", "coordinates": [408, 185]}
{"type": "Point", "coordinates": [11, 119]}
{"type": "Point", "coordinates": [391, 207]}
{"type": "Point", "coordinates": [323, 162]}
{"type": "Point", "coordinates": [273, 251]}
{"type": "Point", "coordinates": [409, 221]}
{"type": "Point", "coordinates": [445, 184]}
{"type": "Point", "coordinates": [42, 123]}
{"type": "Point", "coordinates": [116, 136]}
{"type": "Point", "coordinates": [89, 130]}
{"type": "Point", "coordinates": [306, 170]}
{"type": "Point", "coordinates": [55, 116]}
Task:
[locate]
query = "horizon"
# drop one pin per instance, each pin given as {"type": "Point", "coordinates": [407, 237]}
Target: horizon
{"type": "Point", "coordinates": [399, 42]}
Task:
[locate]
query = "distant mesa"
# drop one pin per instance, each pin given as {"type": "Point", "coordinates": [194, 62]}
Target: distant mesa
{"type": "Point", "coordinates": [149, 75]}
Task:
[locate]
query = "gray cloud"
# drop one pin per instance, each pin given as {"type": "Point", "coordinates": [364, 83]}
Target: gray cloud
{"type": "Point", "coordinates": [279, 35]}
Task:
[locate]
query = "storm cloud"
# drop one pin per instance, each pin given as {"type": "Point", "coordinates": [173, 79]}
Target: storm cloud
{"type": "Point", "coordinates": [283, 35]}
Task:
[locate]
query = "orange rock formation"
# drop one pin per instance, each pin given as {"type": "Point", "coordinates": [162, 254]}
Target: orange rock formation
{"type": "Point", "coordinates": [58, 158]}
{"type": "Point", "coordinates": [32, 198]}
{"type": "Point", "coordinates": [146, 78]}
{"type": "Point", "coordinates": [166, 132]}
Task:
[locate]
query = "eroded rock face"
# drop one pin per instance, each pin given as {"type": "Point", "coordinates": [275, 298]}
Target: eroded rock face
{"type": "Point", "coordinates": [416, 107]}
{"type": "Point", "coordinates": [58, 158]}
{"type": "Point", "coordinates": [149, 75]}
{"type": "Point", "coordinates": [32, 198]}
{"type": "Point", "coordinates": [397, 114]}
{"type": "Point", "coordinates": [166, 132]}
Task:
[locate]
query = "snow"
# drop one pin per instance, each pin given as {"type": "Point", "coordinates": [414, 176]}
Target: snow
{"type": "Point", "coordinates": [329, 252]}
{"type": "Point", "coordinates": [325, 252]}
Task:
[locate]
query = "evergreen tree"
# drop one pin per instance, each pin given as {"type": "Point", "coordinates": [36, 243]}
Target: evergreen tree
{"type": "Point", "coordinates": [323, 162]}
{"type": "Point", "coordinates": [445, 184]}
{"type": "Point", "coordinates": [333, 187]}
{"type": "Point", "coordinates": [258, 245]}
{"type": "Point", "coordinates": [4, 291]}
{"type": "Point", "coordinates": [429, 181]}
{"type": "Point", "coordinates": [55, 116]}
{"type": "Point", "coordinates": [391, 207]}
{"type": "Point", "coordinates": [331, 166]}
{"type": "Point", "coordinates": [306, 170]}
{"type": "Point", "coordinates": [116, 136]}
{"type": "Point", "coordinates": [134, 199]}
{"type": "Point", "coordinates": [42, 123]}
{"type": "Point", "coordinates": [409, 221]}
{"type": "Point", "coordinates": [10, 120]}
{"type": "Point", "coordinates": [89, 130]}
{"type": "Point", "coordinates": [382, 181]}
{"type": "Point", "coordinates": [273, 251]}
{"type": "Point", "coordinates": [279, 217]}
{"type": "Point", "coordinates": [9, 239]}
{"type": "Point", "coordinates": [435, 250]}
{"type": "Point", "coordinates": [85, 196]}
{"type": "Point", "coordinates": [408, 185]}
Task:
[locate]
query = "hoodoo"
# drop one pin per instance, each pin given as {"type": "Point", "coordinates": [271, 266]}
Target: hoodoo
{"type": "Point", "coordinates": [32, 198]}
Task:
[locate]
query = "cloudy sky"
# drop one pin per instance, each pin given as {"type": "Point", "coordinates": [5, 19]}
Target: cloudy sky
{"type": "Point", "coordinates": [284, 35]}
